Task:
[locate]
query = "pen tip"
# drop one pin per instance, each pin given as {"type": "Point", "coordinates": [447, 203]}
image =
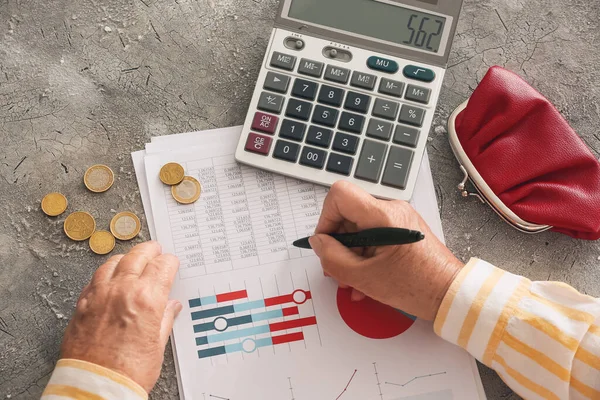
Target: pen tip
{"type": "Point", "coordinates": [420, 236]}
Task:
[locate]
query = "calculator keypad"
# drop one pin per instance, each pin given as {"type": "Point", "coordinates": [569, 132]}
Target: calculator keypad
{"type": "Point", "coordinates": [336, 112]}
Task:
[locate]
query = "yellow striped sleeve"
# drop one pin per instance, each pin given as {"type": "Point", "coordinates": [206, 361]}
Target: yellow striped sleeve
{"type": "Point", "coordinates": [76, 379]}
{"type": "Point", "coordinates": [543, 338]}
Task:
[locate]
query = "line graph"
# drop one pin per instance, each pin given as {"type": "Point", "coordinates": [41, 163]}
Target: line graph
{"type": "Point", "coordinates": [414, 379]}
{"type": "Point", "coordinates": [348, 384]}
{"type": "Point", "coordinates": [378, 382]}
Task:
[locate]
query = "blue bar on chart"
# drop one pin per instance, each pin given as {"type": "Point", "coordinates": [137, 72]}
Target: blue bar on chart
{"type": "Point", "coordinates": [245, 319]}
{"type": "Point", "coordinates": [250, 345]}
{"type": "Point", "coordinates": [219, 298]}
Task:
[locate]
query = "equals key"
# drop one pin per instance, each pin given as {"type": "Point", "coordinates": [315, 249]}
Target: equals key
{"type": "Point", "coordinates": [397, 167]}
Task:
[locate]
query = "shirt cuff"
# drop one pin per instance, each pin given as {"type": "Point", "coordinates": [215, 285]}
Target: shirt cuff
{"type": "Point", "coordinates": [475, 311]}
{"type": "Point", "coordinates": [76, 379]}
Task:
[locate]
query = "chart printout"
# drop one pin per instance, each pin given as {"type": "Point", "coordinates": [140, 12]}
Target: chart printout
{"type": "Point", "coordinates": [260, 321]}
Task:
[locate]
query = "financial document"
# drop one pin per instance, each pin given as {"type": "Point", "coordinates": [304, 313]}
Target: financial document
{"type": "Point", "coordinates": [260, 321]}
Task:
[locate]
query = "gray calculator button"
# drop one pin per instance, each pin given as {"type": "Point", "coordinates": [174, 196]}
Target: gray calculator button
{"type": "Point", "coordinates": [270, 102]}
{"type": "Point", "coordinates": [397, 167]}
{"type": "Point", "coordinates": [277, 82]}
{"type": "Point", "coordinates": [287, 151]}
{"type": "Point", "coordinates": [370, 161]}
{"type": "Point", "coordinates": [310, 68]}
{"type": "Point", "coordinates": [362, 80]}
{"type": "Point", "coordinates": [337, 74]}
{"type": "Point", "coordinates": [418, 94]}
{"type": "Point", "coordinates": [385, 109]}
{"type": "Point", "coordinates": [283, 61]}
{"type": "Point", "coordinates": [390, 87]}
{"type": "Point", "coordinates": [380, 129]}
{"type": "Point", "coordinates": [406, 135]}
{"type": "Point", "coordinates": [412, 115]}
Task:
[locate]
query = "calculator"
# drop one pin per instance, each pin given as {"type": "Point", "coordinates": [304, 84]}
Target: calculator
{"type": "Point", "coordinates": [348, 91]}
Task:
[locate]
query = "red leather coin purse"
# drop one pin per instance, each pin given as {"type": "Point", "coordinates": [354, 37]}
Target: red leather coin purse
{"type": "Point", "coordinates": [525, 160]}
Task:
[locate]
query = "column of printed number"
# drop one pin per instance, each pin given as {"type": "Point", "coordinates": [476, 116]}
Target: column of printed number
{"type": "Point", "coordinates": [306, 208]}
{"type": "Point", "coordinates": [267, 223]}
{"type": "Point", "coordinates": [287, 216]}
{"type": "Point", "coordinates": [211, 221]}
{"type": "Point", "coordinates": [238, 222]}
{"type": "Point", "coordinates": [186, 237]}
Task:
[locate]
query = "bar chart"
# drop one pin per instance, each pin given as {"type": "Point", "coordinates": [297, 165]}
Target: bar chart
{"type": "Point", "coordinates": [237, 322]}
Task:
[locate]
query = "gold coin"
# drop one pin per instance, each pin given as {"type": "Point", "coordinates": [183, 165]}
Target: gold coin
{"type": "Point", "coordinates": [102, 242]}
{"type": "Point", "coordinates": [54, 204]}
{"type": "Point", "coordinates": [79, 226]}
{"type": "Point", "coordinates": [188, 191]}
{"type": "Point", "coordinates": [171, 174]}
{"type": "Point", "coordinates": [98, 178]}
{"type": "Point", "coordinates": [125, 225]}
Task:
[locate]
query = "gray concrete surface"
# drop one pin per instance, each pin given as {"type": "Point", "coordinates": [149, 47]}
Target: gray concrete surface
{"type": "Point", "coordinates": [84, 82]}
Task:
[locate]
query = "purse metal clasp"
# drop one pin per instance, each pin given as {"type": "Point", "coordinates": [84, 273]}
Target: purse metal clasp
{"type": "Point", "coordinates": [483, 192]}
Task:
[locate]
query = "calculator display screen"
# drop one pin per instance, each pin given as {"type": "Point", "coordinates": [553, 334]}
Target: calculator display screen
{"type": "Point", "coordinates": [377, 19]}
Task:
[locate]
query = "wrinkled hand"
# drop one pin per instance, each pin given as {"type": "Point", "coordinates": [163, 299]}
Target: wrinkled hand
{"type": "Point", "coordinates": [413, 278]}
{"type": "Point", "coordinates": [124, 317]}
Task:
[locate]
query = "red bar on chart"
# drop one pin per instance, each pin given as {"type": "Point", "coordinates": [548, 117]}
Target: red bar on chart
{"type": "Point", "coordinates": [292, 337]}
{"type": "Point", "coordinates": [294, 323]}
{"type": "Point", "coordinates": [240, 294]}
{"type": "Point", "coordinates": [290, 311]}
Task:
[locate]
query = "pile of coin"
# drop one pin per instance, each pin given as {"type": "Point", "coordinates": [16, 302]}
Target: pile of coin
{"type": "Point", "coordinates": [184, 189]}
{"type": "Point", "coordinates": [80, 225]}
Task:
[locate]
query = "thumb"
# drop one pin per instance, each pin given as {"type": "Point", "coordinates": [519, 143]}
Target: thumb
{"type": "Point", "coordinates": [166, 326]}
{"type": "Point", "coordinates": [336, 259]}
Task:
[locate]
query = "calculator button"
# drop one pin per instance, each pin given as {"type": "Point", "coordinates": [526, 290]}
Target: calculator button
{"type": "Point", "coordinates": [319, 136]}
{"type": "Point", "coordinates": [380, 129]}
{"type": "Point", "coordinates": [390, 87]}
{"type": "Point", "coordinates": [292, 130]}
{"type": "Point", "coordinates": [357, 102]}
{"type": "Point", "coordinates": [283, 61]}
{"type": "Point", "coordinates": [270, 102]}
{"type": "Point", "coordinates": [406, 135]}
{"type": "Point", "coordinates": [258, 144]}
{"type": "Point", "coordinates": [305, 89]}
{"type": "Point", "coordinates": [277, 82]}
{"type": "Point", "coordinates": [339, 164]}
{"type": "Point", "coordinates": [351, 122]}
{"type": "Point", "coordinates": [264, 122]}
{"type": "Point", "coordinates": [417, 93]}
{"type": "Point", "coordinates": [412, 115]}
{"type": "Point", "coordinates": [337, 74]}
{"type": "Point", "coordinates": [310, 68]}
{"type": "Point", "coordinates": [385, 109]}
{"type": "Point", "coordinates": [345, 143]}
{"type": "Point", "coordinates": [287, 151]}
{"type": "Point", "coordinates": [382, 64]}
{"type": "Point", "coordinates": [370, 161]}
{"type": "Point", "coordinates": [325, 116]}
{"type": "Point", "coordinates": [298, 109]}
{"type": "Point", "coordinates": [419, 73]}
{"type": "Point", "coordinates": [331, 95]}
{"type": "Point", "coordinates": [362, 80]}
{"type": "Point", "coordinates": [397, 167]}
{"type": "Point", "coordinates": [312, 157]}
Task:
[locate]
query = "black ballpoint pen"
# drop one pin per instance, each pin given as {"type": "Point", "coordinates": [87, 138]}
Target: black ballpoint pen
{"type": "Point", "coordinates": [371, 237]}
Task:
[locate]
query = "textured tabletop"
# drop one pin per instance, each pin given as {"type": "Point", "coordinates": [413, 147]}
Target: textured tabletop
{"type": "Point", "coordinates": [87, 82]}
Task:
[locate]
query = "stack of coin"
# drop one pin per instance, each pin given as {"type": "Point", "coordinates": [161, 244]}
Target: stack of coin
{"type": "Point", "coordinates": [80, 225]}
{"type": "Point", "coordinates": [184, 189]}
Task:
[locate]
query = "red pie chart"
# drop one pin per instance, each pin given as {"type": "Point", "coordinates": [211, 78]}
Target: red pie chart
{"type": "Point", "coordinates": [371, 318]}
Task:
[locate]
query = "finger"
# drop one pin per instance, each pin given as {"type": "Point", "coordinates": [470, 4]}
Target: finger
{"type": "Point", "coordinates": [336, 259]}
{"type": "Point", "coordinates": [161, 271]}
{"type": "Point", "coordinates": [134, 262]}
{"type": "Point", "coordinates": [357, 295]}
{"type": "Point", "coordinates": [105, 271]}
{"type": "Point", "coordinates": [172, 309]}
{"type": "Point", "coordinates": [346, 202]}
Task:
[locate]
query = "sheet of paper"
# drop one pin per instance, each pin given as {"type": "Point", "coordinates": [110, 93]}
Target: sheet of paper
{"type": "Point", "coordinates": [260, 321]}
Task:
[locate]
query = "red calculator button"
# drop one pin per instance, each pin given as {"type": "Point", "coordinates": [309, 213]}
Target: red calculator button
{"type": "Point", "coordinates": [265, 122]}
{"type": "Point", "coordinates": [258, 143]}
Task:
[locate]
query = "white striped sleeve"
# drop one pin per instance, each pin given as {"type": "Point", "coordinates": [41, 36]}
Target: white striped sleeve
{"type": "Point", "coordinates": [543, 338]}
{"type": "Point", "coordinates": [76, 379]}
